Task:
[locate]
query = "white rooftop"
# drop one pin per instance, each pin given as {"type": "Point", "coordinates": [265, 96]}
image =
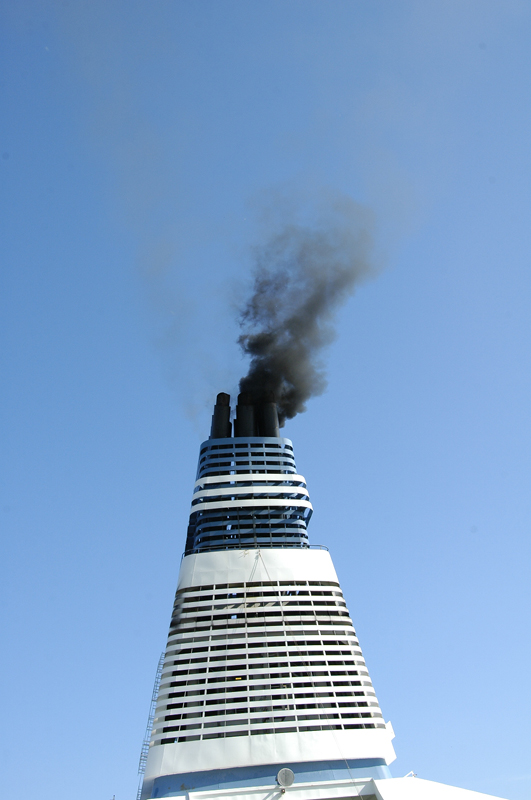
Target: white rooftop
{"type": "Point", "coordinates": [409, 788]}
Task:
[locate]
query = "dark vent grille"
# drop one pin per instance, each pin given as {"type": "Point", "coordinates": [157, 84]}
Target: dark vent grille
{"type": "Point", "coordinates": [248, 495]}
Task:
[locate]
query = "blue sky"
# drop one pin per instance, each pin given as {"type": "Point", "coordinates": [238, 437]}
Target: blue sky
{"type": "Point", "coordinates": [145, 147]}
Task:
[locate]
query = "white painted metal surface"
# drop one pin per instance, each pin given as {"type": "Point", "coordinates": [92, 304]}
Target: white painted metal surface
{"type": "Point", "coordinates": [236, 566]}
{"type": "Point", "coordinates": [282, 748]}
{"type": "Point", "coordinates": [291, 597]}
{"type": "Point", "coordinates": [420, 789]}
{"type": "Point", "coordinates": [368, 788]}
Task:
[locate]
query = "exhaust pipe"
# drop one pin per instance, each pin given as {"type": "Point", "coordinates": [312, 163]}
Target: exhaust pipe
{"type": "Point", "coordinates": [252, 418]}
{"type": "Point", "coordinates": [221, 425]}
{"type": "Point", "coordinates": [245, 422]}
{"type": "Point", "coordinates": [268, 416]}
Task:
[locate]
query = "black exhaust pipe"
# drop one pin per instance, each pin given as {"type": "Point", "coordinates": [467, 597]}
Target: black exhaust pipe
{"type": "Point", "coordinates": [253, 418]}
{"type": "Point", "coordinates": [268, 416]}
{"type": "Point", "coordinates": [221, 425]}
{"type": "Point", "coordinates": [245, 422]}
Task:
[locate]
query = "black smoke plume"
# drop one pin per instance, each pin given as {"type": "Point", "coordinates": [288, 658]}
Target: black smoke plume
{"type": "Point", "coordinates": [303, 274]}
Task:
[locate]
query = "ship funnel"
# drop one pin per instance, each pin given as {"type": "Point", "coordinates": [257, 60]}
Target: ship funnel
{"type": "Point", "coordinates": [256, 417]}
{"type": "Point", "coordinates": [221, 425]}
{"type": "Point", "coordinates": [267, 415]}
{"type": "Point", "coordinates": [245, 422]}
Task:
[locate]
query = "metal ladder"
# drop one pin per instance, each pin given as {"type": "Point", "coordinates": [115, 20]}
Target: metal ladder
{"type": "Point", "coordinates": [147, 736]}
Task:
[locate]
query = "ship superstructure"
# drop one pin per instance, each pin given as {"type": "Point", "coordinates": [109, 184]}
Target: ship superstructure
{"type": "Point", "coordinates": [264, 690]}
{"type": "Point", "coordinates": [263, 668]}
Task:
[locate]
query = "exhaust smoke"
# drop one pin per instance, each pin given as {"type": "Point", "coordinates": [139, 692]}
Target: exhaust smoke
{"type": "Point", "coordinates": [303, 275]}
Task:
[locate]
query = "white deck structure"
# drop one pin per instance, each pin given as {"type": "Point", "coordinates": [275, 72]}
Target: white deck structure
{"type": "Point", "coordinates": [388, 789]}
